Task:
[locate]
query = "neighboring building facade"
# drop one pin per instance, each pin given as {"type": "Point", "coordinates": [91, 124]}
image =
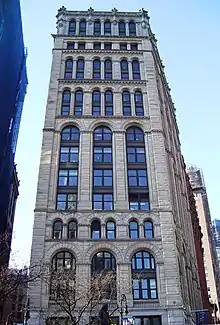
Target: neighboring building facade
{"type": "Point", "coordinates": [13, 80]}
{"type": "Point", "coordinates": [208, 244]}
{"type": "Point", "coordinates": [112, 188]}
{"type": "Point", "coordinates": [216, 232]}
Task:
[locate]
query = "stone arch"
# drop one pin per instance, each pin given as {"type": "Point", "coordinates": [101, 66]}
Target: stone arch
{"type": "Point", "coordinates": [68, 57]}
{"type": "Point", "coordinates": [62, 124]}
{"type": "Point", "coordinates": [65, 89]}
{"type": "Point", "coordinates": [146, 246]}
{"type": "Point", "coordinates": [102, 122]}
{"type": "Point", "coordinates": [127, 124]}
{"type": "Point", "coordinates": [58, 247]}
{"type": "Point", "coordinates": [104, 247]}
{"type": "Point", "coordinates": [81, 57]}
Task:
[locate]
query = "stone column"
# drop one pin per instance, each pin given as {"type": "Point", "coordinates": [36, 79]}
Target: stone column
{"type": "Point", "coordinates": [133, 113]}
{"type": "Point", "coordinates": [116, 70]}
{"type": "Point", "coordinates": [130, 70]}
{"type": "Point", "coordinates": [72, 100]}
{"type": "Point", "coordinates": [117, 104]}
{"type": "Point", "coordinates": [102, 70]}
{"type": "Point", "coordinates": [87, 100]}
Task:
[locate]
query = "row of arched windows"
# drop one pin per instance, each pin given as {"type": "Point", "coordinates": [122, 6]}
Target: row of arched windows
{"type": "Point", "coordinates": [143, 269]}
{"type": "Point", "coordinates": [102, 169]}
{"type": "Point", "coordinates": [96, 103]}
{"type": "Point", "coordinates": [80, 66]}
{"type": "Point", "coordinates": [97, 28]}
{"type": "Point", "coordinates": [110, 229]}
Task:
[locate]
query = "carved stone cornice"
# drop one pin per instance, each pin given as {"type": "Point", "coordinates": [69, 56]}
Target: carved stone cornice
{"type": "Point", "coordinates": [102, 81]}
{"type": "Point", "coordinates": [101, 51]}
{"type": "Point", "coordinates": [112, 37]}
{"type": "Point", "coordinates": [136, 118]}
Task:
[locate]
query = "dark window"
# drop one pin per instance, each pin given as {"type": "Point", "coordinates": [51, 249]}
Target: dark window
{"type": "Point", "coordinates": [137, 177]}
{"type": "Point", "coordinates": [102, 133]}
{"type": "Point", "coordinates": [107, 28]}
{"type": "Point", "coordinates": [110, 230]}
{"type": "Point", "coordinates": [57, 229]}
{"type": "Point", "coordinates": [148, 229]}
{"type": "Point", "coordinates": [147, 320]}
{"type": "Point", "coordinates": [72, 28]}
{"type": "Point", "coordinates": [96, 229]}
{"type": "Point", "coordinates": [68, 177]}
{"type": "Point", "coordinates": [124, 70]}
{"type": "Point", "coordinates": [136, 70]}
{"type": "Point", "coordinates": [102, 201]}
{"type": "Point", "coordinates": [82, 27]}
{"type": "Point", "coordinates": [96, 103]}
{"type": "Point", "coordinates": [72, 229]}
{"type": "Point", "coordinates": [108, 46]}
{"type": "Point", "coordinates": [144, 276]}
{"type": "Point", "coordinates": [78, 104]}
{"type": "Point", "coordinates": [122, 28]}
{"type": "Point", "coordinates": [66, 201]}
{"type": "Point", "coordinates": [133, 230]}
{"type": "Point", "coordinates": [126, 103]}
{"type": "Point", "coordinates": [81, 46]}
{"type": "Point", "coordinates": [66, 98]}
{"type": "Point", "coordinates": [135, 134]}
{"type": "Point", "coordinates": [103, 261]}
{"type": "Point", "coordinates": [97, 46]}
{"type": "Point", "coordinates": [139, 201]}
{"type": "Point", "coordinates": [102, 155]}
{"type": "Point", "coordinates": [70, 46]}
{"type": "Point", "coordinates": [136, 155]}
{"type": "Point", "coordinates": [138, 100]}
{"type": "Point", "coordinates": [70, 134]}
{"type": "Point", "coordinates": [108, 103]}
{"type": "Point", "coordinates": [97, 28]}
{"type": "Point", "coordinates": [80, 69]}
{"type": "Point", "coordinates": [132, 28]}
{"type": "Point", "coordinates": [63, 261]}
{"type": "Point", "coordinates": [123, 46]}
{"type": "Point", "coordinates": [102, 177]}
{"type": "Point", "coordinates": [134, 47]}
{"type": "Point", "coordinates": [68, 69]}
{"type": "Point", "coordinates": [108, 69]}
{"type": "Point", "coordinates": [96, 69]}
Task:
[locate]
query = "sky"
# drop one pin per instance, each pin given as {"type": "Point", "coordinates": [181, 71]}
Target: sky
{"type": "Point", "coordinates": [188, 41]}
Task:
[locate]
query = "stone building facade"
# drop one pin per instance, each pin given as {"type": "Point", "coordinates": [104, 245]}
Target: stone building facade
{"type": "Point", "coordinates": [111, 179]}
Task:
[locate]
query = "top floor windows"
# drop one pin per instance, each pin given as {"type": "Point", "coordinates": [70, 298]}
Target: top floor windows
{"type": "Point", "coordinates": [136, 70]}
{"type": "Point", "coordinates": [97, 28]}
{"type": "Point", "coordinates": [132, 28]}
{"type": "Point", "coordinates": [68, 69]}
{"type": "Point", "coordinates": [122, 28]}
{"type": "Point", "coordinates": [72, 27]}
{"type": "Point", "coordinates": [82, 27]}
{"type": "Point", "coordinates": [107, 28]}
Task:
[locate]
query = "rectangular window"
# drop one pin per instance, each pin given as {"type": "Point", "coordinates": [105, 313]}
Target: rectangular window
{"type": "Point", "coordinates": [97, 46]}
{"type": "Point", "coordinates": [136, 155]}
{"type": "Point", "coordinates": [102, 177]}
{"type": "Point", "coordinates": [70, 45]}
{"type": "Point", "coordinates": [134, 47]}
{"type": "Point", "coordinates": [139, 202]}
{"type": "Point", "coordinates": [102, 154]}
{"type": "Point", "coordinates": [69, 154]}
{"type": "Point", "coordinates": [81, 46]}
{"type": "Point", "coordinates": [137, 177]}
{"type": "Point", "coordinates": [108, 46]}
{"type": "Point", "coordinates": [66, 201]}
{"type": "Point", "coordinates": [68, 177]}
{"type": "Point", "coordinates": [123, 46]}
{"type": "Point", "coordinates": [147, 320]}
{"type": "Point", "coordinates": [102, 201]}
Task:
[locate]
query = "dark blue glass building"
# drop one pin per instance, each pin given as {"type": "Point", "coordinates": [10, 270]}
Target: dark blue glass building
{"type": "Point", "coordinates": [13, 84]}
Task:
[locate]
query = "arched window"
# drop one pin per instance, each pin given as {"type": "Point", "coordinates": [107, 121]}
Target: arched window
{"type": "Point", "coordinates": [133, 229]}
{"type": "Point", "coordinates": [138, 100]}
{"type": "Point", "coordinates": [96, 103]}
{"type": "Point", "coordinates": [66, 98]}
{"type": "Point", "coordinates": [103, 261]}
{"type": "Point", "coordinates": [110, 230]}
{"type": "Point", "coordinates": [102, 134]}
{"type": "Point", "coordinates": [107, 28]}
{"type": "Point", "coordinates": [82, 27]}
{"type": "Point", "coordinates": [70, 134]}
{"type": "Point", "coordinates": [72, 27]}
{"type": "Point", "coordinates": [148, 229]}
{"type": "Point", "coordinates": [126, 103]}
{"type": "Point", "coordinates": [63, 261]}
{"type": "Point", "coordinates": [124, 70]}
{"type": "Point", "coordinates": [108, 69]}
{"type": "Point", "coordinates": [136, 70]}
{"type": "Point", "coordinates": [72, 229]}
{"type": "Point", "coordinates": [80, 69]}
{"type": "Point", "coordinates": [132, 28]}
{"type": "Point", "coordinates": [135, 134]}
{"type": "Point", "coordinates": [144, 276]}
{"type": "Point", "coordinates": [122, 28]}
{"type": "Point", "coordinates": [78, 104]}
{"type": "Point", "coordinates": [97, 69]}
{"type": "Point", "coordinates": [108, 103]}
{"type": "Point", "coordinates": [57, 229]}
{"type": "Point", "coordinates": [97, 28]}
{"type": "Point", "coordinates": [68, 69]}
{"type": "Point", "coordinates": [96, 229]}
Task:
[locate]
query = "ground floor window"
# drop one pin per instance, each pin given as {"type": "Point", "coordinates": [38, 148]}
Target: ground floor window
{"type": "Point", "coordinates": [147, 320]}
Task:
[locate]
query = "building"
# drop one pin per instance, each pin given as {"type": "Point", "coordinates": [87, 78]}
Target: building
{"type": "Point", "coordinates": [216, 233]}
{"type": "Point", "coordinates": [13, 80]}
{"type": "Point", "coordinates": [112, 190]}
{"type": "Point", "coordinates": [208, 244]}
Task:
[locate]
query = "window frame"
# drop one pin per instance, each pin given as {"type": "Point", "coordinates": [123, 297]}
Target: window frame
{"type": "Point", "coordinates": [68, 177]}
{"type": "Point", "coordinates": [82, 29]}
{"type": "Point", "coordinates": [80, 67]}
{"type": "Point", "coordinates": [139, 105]}
{"type": "Point", "coordinates": [108, 69]}
{"type": "Point", "coordinates": [59, 231]}
{"type": "Point", "coordinates": [70, 131]}
{"type": "Point", "coordinates": [96, 104]}
{"type": "Point", "coordinates": [136, 74]}
{"type": "Point", "coordinates": [72, 30]}
{"type": "Point", "coordinates": [107, 230]}
{"type": "Point", "coordinates": [132, 28]}
{"type": "Point", "coordinates": [148, 229]}
{"type": "Point", "coordinates": [102, 202]}
{"type": "Point", "coordinates": [70, 45]}
{"type": "Point", "coordinates": [68, 71]}
{"type": "Point", "coordinates": [121, 28]}
{"type": "Point", "coordinates": [124, 70]}
{"type": "Point", "coordinates": [72, 221]}
{"type": "Point", "coordinates": [78, 104]}
{"type": "Point", "coordinates": [96, 72]}
{"type": "Point", "coordinates": [107, 31]}
{"type": "Point", "coordinates": [123, 46]}
{"type": "Point", "coordinates": [141, 201]}
{"type": "Point", "coordinates": [67, 202]}
{"type": "Point", "coordinates": [126, 104]}
{"type": "Point", "coordinates": [97, 28]}
{"type": "Point", "coordinates": [96, 229]}
{"type": "Point", "coordinates": [108, 103]}
{"type": "Point", "coordinates": [65, 104]}
{"type": "Point", "coordinates": [102, 177]}
{"type": "Point", "coordinates": [133, 229]}
{"type": "Point", "coordinates": [95, 265]}
{"type": "Point", "coordinates": [137, 177]}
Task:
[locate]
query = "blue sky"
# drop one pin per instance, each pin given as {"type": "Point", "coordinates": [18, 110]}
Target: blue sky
{"type": "Point", "coordinates": [188, 41]}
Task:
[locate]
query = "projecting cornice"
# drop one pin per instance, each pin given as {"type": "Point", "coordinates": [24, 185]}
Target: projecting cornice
{"type": "Point", "coordinates": [112, 37]}
{"type": "Point", "coordinates": [100, 51]}
{"type": "Point", "coordinates": [102, 81]}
